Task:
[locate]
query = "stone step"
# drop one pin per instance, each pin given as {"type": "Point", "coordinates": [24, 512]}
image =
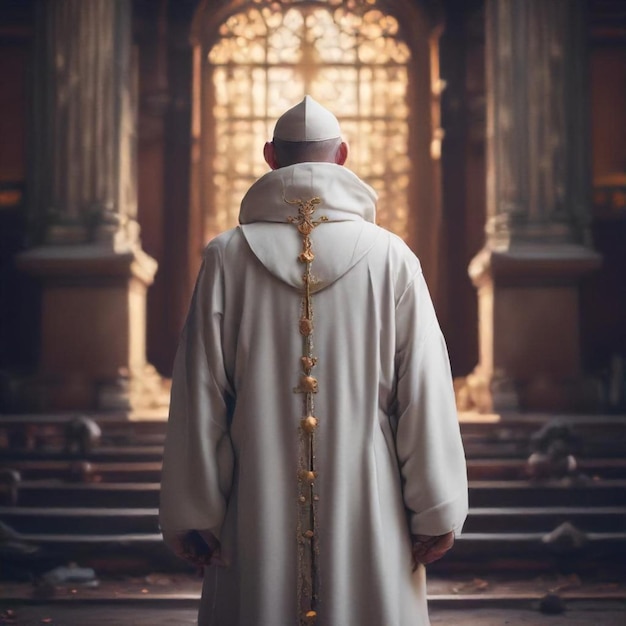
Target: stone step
{"type": "Point", "coordinates": [155, 421]}
{"type": "Point", "coordinates": [530, 422]}
{"type": "Point", "coordinates": [111, 422]}
{"type": "Point", "coordinates": [86, 471]}
{"type": "Point", "coordinates": [510, 436]}
{"type": "Point", "coordinates": [101, 454]}
{"type": "Point", "coordinates": [146, 449]}
{"type": "Point", "coordinates": [141, 471]}
{"type": "Point", "coordinates": [81, 520]}
{"type": "Point", "coordinates": [516, 469]}
{"type": "Point", "coordinates": [483, 554]}
{"type": "Point", "coordinates": [521, 450]}
{"type": "Point", "coordinates": [164, 591]}
{"type": "Point", "coordinates": [611, 452]}
{"type": "Point", "coordinates": [46, 493]}
{"type": "Point", "coordinates": [114, 553]}
{"type": "Point", "coordinates": [104, 521]}
{"type": "Point", "coordinates": [33, 432]}
{"type": "Point", "coordinates": [599, 546]}
{"type": "Point", "coordinates": [481, 494]}
{"type": "Point", "coordinates": [476, 553]}
{"type": "Point", "coordinates": [518, 493]}
{"type": "Point", "coordinates": [607, 519]}
{"type": "Point", "coordinates": [507, 436]}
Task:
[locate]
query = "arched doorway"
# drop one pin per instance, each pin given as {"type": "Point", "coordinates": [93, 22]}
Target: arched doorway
{"type": "Point", "coordinates": [374, 63]}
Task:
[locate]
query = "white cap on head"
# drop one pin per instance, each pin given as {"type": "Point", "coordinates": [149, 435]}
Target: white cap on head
{"type": "Point", "coordinates": [307, 121]}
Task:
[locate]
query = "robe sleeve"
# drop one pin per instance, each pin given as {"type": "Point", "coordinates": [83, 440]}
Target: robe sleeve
{"type": "Point", "coordinates": [198, 457]}
{"type": "Point", "coordinates": [428, 440]}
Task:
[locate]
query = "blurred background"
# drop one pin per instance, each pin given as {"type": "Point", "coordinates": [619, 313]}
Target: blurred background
{"type": "Point", "coordinates": [494, 133]}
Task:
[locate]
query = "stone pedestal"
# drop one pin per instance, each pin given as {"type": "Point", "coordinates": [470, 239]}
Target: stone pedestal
{"type": "Point", "coordinates": [538, 205]}
{"type": "Point", "coordinates": [93, 353]}
{"type": "Point", "coordinates": [83, 212]}
{"type": "Point", "coordinates": [529, 328]}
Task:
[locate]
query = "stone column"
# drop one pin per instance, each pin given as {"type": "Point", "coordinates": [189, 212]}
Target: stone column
{"type": "Point", "coordinates": [83, 211]}
{"type": "Point", "coordinates": [538, 206]}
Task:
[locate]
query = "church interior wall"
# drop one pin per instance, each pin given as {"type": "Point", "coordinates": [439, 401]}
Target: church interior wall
{"type": "Point", "coordinates": [604, 294]}
{"type": "Point", "coordinates": [163, 53]}
{"type": "Point", "coordinates": [19, 294]}
{"type": "Point", "coordinates": [150, 37]}
{"type": "Point", "coordinates": [463, 164]}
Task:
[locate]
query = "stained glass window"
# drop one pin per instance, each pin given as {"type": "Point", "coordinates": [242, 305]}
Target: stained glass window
{"type": "Point", "coordinates": [348, 56]}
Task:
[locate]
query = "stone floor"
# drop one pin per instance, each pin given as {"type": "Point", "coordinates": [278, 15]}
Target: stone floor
{"type": "Point", "coordinates": [160, 599]}
{"type": "Point", "coordinates": [589, 614]}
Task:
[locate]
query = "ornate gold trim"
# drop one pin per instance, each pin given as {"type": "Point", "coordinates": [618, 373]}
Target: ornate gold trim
{"type": "Point", "coordinates": [307, 530]}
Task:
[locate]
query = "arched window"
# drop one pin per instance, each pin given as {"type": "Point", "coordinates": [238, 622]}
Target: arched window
{"type": "Point", "coordinates": [348, 56]}
{"type": "Point", "coordinates": [372, 62]}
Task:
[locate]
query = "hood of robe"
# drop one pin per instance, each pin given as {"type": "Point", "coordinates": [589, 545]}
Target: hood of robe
{"type": "Point", "coordinates": [348, 204]}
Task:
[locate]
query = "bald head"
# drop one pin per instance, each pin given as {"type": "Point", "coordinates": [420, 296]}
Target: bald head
{"type": "Point", "coordinates": [279, 153]}
{"type": "Point", "coordinates": [290, 152]}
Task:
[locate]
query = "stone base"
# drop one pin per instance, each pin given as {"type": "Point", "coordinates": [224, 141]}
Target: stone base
{"type": "Point", "coordinates": [141, 395]}
{"type": "Point", "coordinates": [529, 337]}
{"type": "Point", "coordinates": [480, 393]}
{"type": "Point", "coordinates": [93, 353]}
{"type": "Point", "coordinates": [133, 391]}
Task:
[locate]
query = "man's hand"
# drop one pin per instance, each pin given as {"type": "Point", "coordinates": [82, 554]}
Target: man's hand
{"type": "Point", "coordinates": [198, 547]}
{"type": "Point", "coordinates": [427, 549]}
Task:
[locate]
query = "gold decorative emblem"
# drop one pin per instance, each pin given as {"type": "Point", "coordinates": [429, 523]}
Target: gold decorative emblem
{"type": "Point", "coordinates": [307, 476]}
{"type": "Point", "coordinates": [306, 326]}
{"type": "Point", "coordinates": [309, 424]}
{"type": "Point", "coordinates": [306, 257]}
{"type": "Point", "coordinates": [308, 549]}
{"type": "Point", "coordinates": [308, 384]}
{"type": "Point", "coordinates": [308, 363]}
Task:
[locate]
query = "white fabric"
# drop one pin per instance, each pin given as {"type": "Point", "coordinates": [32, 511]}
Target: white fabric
{"type": "Point", "coordinates": [307, 121]}
{"type": "Point", "coordinates": [389, 451]}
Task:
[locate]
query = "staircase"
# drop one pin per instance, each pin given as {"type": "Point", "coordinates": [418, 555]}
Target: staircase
{"type": "Point", "coordinates": [86, 489]}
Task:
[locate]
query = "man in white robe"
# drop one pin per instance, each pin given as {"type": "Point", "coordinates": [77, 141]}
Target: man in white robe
{"type": "Point", "coordinates": [313, 461]}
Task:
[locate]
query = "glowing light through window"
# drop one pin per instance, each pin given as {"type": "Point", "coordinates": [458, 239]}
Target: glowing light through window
{"type": "Point", "coordinates": [348, 56]}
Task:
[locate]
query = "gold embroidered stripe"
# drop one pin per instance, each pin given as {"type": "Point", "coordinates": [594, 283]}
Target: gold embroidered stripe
{"type": "Point", "coordinates": [307, 530]}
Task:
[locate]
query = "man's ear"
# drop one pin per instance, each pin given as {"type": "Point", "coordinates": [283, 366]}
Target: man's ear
{"type": "Point", "coordinates": [269, 154]}
{"type": "Point", "coordinates": [342, 153]}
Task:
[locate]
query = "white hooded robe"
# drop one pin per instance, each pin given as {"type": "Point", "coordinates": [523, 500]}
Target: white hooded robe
{"type": "Point", "coordinates": [389, 455]}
